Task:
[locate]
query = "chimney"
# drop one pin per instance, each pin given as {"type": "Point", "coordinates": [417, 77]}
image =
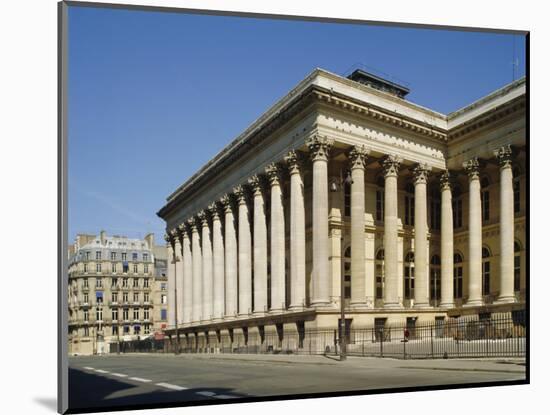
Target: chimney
{"type": "Point", "coordinates": [379, 83]}
{"type": "Point", "coordinates": [102, 237]}
{"type": "Point", "coordinates": [150, 238]}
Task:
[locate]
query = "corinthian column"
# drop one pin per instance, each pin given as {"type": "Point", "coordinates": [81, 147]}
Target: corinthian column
{"type": "Point", "coordinates": [504, 156]}
{"type": "Point", "coordinates": [260, 246]}
{"type": "Point", "coordinates": [474, 232]}
{"type": "Point", "coordinates": [447, 243]}
{"type": "Point", "coordinates": [357, 156]}
{"type": "Point", "coordinates": [206, 271]}
{"type": "Point", "coordinates": [179, 278]}
{"type": "Point", "coordinates": [421, 293]}
{"type": "Point", "coordinates": [391, 167]}
{"type": "Point", "coordinates": [218, 307]}
{"type": "Point", "coordinates": [277, 239]}
{"type": "Point", "coordinates": [319, 148]}
{"type": "Point", "coordinates": [231, 299]}
{"type": "Point", "coordinates": [197, 270]}
{"type": "Point", "coordinates": [297, 234]}
{"type": "Point", "coordinates": [245, 264]}
{"type": "Point", "coordinates": [187, 274]}
{"type": "Point", "coordinates": [171, 280]}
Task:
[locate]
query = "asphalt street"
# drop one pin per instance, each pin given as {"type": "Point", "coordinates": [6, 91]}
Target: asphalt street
{"type": "Point", "coordinates": [111, 380]}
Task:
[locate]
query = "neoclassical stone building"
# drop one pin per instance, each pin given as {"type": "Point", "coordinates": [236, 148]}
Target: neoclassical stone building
{"type": "Point", "coordinates": [426, 210]}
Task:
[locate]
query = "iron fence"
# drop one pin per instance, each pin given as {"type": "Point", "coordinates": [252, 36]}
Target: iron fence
{"type": "Point", "coordinates": [453, 338]}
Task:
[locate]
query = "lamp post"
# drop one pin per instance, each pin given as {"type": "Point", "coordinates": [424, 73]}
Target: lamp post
{"type": "Point", "coordinates": [334, 187]}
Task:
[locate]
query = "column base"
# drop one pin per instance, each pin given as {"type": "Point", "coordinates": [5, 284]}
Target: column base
{"type": "Point", "coordinates": [473, 303]}
{"type": "Point", "coordinates": [296, 308]}
{"type": "Point", "coordinates": [259, 314]}
{"type": "Point", "coordinates": [393, 306]}
{"type": "Point", "coordinates": [447, 305]}
{"type": "Point", "coordinates": [505, 300]}
{"type": "Point", "coordinates": [423, 306]}
{"type": "Point", "coordinates": [360, 306]}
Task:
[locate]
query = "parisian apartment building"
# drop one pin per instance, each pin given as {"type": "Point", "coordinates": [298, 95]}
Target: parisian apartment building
{"type": "Point", "coordinates": [117, 291]}
{"type": "Point", "coordinates": [421, 215]}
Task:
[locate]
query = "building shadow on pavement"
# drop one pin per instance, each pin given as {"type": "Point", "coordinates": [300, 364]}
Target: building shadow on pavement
{"type": "Point", "coordinates": [89, 392]}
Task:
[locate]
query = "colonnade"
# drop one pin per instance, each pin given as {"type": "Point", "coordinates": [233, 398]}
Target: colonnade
{"type": "Point", "coordinates": [219, 267]}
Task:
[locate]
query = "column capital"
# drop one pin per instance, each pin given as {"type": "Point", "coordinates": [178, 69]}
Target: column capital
{"type": "Point", "coordinates": [240, 192]}
{"type": "Point", "coordinates": [504, 156]}
{"type": "Point", "coordinates": [168, 237]}
{"type": "Point", "coordinates": [173, 236]}
{"type": "Point", "coordinates": [193, 224]}
{"type": "Point", "coordinates": [421, 172]}
{"type": "Point", "coordinates": [472, 168]}
{"type": "Point", "coordinates": [293, 161]}
{"type": "Point", "coordinates": [182, 230]}
{"type": "Point", "coordinates": [214, 210]}
{"type": "Point", "coordinates": [257, 184]}
{"type": "Point", "coordinates": [445, 180]}
{"type": "Point", "coordinates": [357, 156]}
{"type": "Point", "coordinates": [319, 147]}
{"type": "Point", "coordinates": [227, 202]}
{"type": "Point", "coordinates": [274, 173]}
{"type": "Point", "coordinates": [391, 164]}
{"type": "Point", "coordinates": [203, 217]}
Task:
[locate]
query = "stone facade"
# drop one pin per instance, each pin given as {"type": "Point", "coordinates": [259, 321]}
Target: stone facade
{"type": "Point", "coordinates": [432, 221]}
{"type": "Point", "coordinates": [116, 289]}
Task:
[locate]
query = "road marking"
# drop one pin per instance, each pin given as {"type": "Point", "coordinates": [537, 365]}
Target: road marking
{"type": "Point", "coordinates": [170, 386]}
{"type": "Point", "coordinates": [88, 368]}
{"type": "Point", "coordinates": [225, 396]}
{"type": "Point", "coordinates": [140, 379]}
{"type": "Point", "coordinates": [206, 393]}
{"type": "Point", "coordinates": [101, 371]}
{"type": "Point", "coordinates": [120, 375]}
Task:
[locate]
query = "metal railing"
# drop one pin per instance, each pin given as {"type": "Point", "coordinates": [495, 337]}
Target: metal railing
{"type": "Point", "coordinates": [453, 338]}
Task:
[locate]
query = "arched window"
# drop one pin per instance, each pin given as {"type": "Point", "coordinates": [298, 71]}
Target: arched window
{"type": "Point", "coordinates": [409, 276]}
{"type": "Point", "coordinates": [486, 271]}
{"type": "Point", "coordinates": [517, 266]}
{"type": "Point", "coordinates": [380, 198]}
{"type": "Point", "coordinates": [457, 207]}
{"type": "Point", "coordinates": [409, 204]}
{"type": "Point", "coordinates": [435, 209]}
{"type": "Point", "coordinates": [457, 275]}
{"type": "Point", "coordinates": [435, 278]}
{"type": "Point", "coordinates": [485, 198]}
{"type": "Point", "coordinates": [347, 273]}
{"type": "Point", "coordinates": [380, 274]}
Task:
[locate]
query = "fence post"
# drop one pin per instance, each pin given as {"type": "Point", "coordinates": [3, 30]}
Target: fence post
{"type": "Point", "coordinates": [381, 341]}
{"type": "Point", "coordinates": [404, 346]}
{"type": "Point", "coordinates": [432, 339]}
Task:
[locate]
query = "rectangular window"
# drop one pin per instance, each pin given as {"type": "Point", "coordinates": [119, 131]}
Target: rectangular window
{"type": "Point", "coordinates": [146, 329]}
{"type": "Point", "coordinates": [123, 256]}
{"type": "Point", "coordinates": [409, 210]}
{"type": "Point", "coordinates": [146, 282]}
{"type": "Point", "coordinates": [435, 284]}
{"type": "Point", "coordinates": [379, 205]}
{"type": "Point", "coordinates": [145, 257]}
{"type": "Point", "coordinates": [113, 256]}
{"type": "Point", "coordinates": [98, 255]}
{"type": "Point", "coordinates": [85, 267]}
{"type": "Point", "coordinates": [136, 297]}
{"type": "Point", "coordinates": [86, 331]}
{"type": "Point", "coordinates": [98, 267]}
{"type": "Point", "coordinates": [99, 297]}
{"type": "Point", "coordinates": [163, 299]}
{"type": "Point", "coordinates": [115, 297]}
{"type": "Point", "coordinates": [114, 282]}
{"type": "Point", "coordinates": [99, 314]}
{"type": "Point", "coordinates": [125, 282]}
{"type": "Point", "coordinates": [114, 314]}
{"type": "Point", "coordinates": [146, 313]}
{"type": "Point", "coordinates": [486, 278]}
{"type": "Point", "coordinates": [85, 282]}
{"type": "Point", "coordinates": [113, 268]}
{"type": "Point", "coordinates": [136, 313]}
{"type": "Point", "coordinates": [145, 296]}
{"type": "Point", "coordinates": [163, 314]}
{"type": "Point", "coordinates": [517, 200]}
{"type": "Point", "coordinates": [135, 283]}
{"type": "Point", "coordinates": [126, 329]}
{"type": "Point", "coordinates": [125, 313]}
{"type": "Point", "coordinates": [145, 268]}
{"type": "Point", "coordinates": [134, 256]}
{"type": "Point", "coordinates": [409, 282]}
{"type": "Point", "coordinates": [85, 297]}
{"type": "Point", "coordinates": [86, 315]}
{"type": "Point", "coordinates": [485, 204]}
{"type": "Point", "coordinates": [435, 214]}
{"type": "Point", "coordinates": [98, 283]}
{"type": "Point", "coordinates": [457, 213]}
{"type": "Point", "coordinates": [125, 297]}
{"type": "Point", "coordinates": [115, 330]}
{"type": "Point", "coordinates": [517, 270]}
{"type": "Point", "coordinates": [135, 269]}
{"type": "Point", "coordinates": [457, 282]}
{"type": "Point", "coordinates": [347, 199]}
{"type": "Point", "coordinates": [88, 253]}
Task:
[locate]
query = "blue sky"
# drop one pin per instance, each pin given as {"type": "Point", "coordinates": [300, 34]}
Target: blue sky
{"type": "Point", "coordinates": [153, 96]}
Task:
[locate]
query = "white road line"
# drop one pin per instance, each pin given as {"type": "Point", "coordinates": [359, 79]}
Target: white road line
{"type": "Point", "coordinates": [225, 396]}
{"type": "Point", "coordinates": [120, 375]}
{"type": "Point", "coordinates": [88, 368]}
{"type": "Point", "coordinates": [101, 371]}
{"type": "Point", "coordinates": [206, 393]}
{"type": "Point", "coordinates": [170, 386]}
{"type": "Point", "coordinates": [140, 379]}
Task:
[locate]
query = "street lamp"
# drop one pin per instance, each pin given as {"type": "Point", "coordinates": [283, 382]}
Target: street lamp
{"type": "Point", "coordinates": [334, 187]}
